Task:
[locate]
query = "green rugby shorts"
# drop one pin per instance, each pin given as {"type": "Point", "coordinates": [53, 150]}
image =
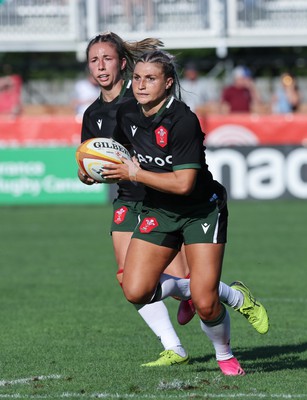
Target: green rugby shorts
{"type": "Point", "coordinates": [125, 215]}
{"type": "Point", "coordinates": [205, 223]}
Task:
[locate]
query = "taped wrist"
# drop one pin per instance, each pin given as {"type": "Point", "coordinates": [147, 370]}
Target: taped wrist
{"type": "Point", "coordinates": [133, 170]}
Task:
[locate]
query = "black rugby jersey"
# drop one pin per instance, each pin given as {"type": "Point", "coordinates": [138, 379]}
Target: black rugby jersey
{"type": "Point", "coordinates": [99, 120]}
{"type": "Point", "coordinates": [170, 140]}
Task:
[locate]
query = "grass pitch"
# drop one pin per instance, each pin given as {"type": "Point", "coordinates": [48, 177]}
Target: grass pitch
{"type": "Point", "coordinates": [67, 332]}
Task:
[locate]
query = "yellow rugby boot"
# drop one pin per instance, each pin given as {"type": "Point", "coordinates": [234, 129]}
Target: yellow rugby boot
{"type": "Point", "coordinates": [252, 309]}
{"type": "Point", "coordinates": [168, 358]}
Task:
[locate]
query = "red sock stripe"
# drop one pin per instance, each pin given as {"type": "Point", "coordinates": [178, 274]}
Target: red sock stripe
{"type": "Point", "coordinates": [120, 271]}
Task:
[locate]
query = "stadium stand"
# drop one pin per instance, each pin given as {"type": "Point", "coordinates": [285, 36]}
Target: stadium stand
{"type": "Point", "coordinates": [66, 25]}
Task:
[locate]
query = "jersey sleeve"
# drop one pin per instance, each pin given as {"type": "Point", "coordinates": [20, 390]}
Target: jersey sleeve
{"type": "Point", "coordinates": [187, 143]}
{"type": "Point", "coordinates": [85, 129]}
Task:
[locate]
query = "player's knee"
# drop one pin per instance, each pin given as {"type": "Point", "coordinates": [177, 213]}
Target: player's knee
{"type": "Point", "coordinates": [135, 295]}
{"type": "Point", "coordinates": [207, 310]}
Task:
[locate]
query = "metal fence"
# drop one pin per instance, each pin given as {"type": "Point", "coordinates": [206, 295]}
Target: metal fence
{"type": "Point", "coordinates": [267, 22]}
{"type": "Point", "coordinates": [66, 25]}
{"type": "Point", "coordinates": [39, 25]}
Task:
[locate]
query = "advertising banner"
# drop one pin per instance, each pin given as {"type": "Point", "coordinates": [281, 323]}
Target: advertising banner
{"type": "Point", "coordinates": [255, 130]}
{"type": "Point", "coordinates": [262, 173]}
{"type": "Point", "coordinates": [39, 131]}
{"type": "Point", "coordinates": [255, 157]}
{"type": "Point", "coordinates": [45, 176]}
{"type": "Point", "coordinates": [221, 130]}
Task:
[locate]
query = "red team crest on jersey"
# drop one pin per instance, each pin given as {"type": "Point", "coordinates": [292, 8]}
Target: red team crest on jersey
{"type": "Point", "coordinates": [120, 215]}
{"type": "Point", "coordinates": [161, 136]}
{"type": "Point", "coordinates": [148, 224]}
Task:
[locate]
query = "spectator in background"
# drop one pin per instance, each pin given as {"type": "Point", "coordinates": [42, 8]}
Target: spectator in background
{"type": "Point", "coordinates": [241, 96]}
{"type": "Point", "coordinates": [286, 99]}
{"type": "Point", "coordinates": [250, 11]}
{"type": "Point", "coordinates": [85, 92]}
{"type": "Point", "coordinates": [204, 13]}
{"type": "Point", "coordinates": [193, 88]}
{"type": "Point", "coordinates": [105, 11]}
{"type": "Point", "coordinates": [138, 12]}
{"type": "Point", "coordinates": [10, 92]}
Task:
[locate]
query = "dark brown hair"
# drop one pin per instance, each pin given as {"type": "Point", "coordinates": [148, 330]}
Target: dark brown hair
{"type": "Point", "coordinates": [125, 49]}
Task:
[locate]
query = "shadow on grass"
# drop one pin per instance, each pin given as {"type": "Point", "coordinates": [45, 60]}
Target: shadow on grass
{"type": "Point", "coordinates": [268, 358]}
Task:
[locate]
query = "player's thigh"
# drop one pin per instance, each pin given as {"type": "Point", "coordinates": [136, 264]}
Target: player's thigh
{"type": "Point", "coordinates": [179, 266]}
{"type": "Point", "coordinates": [121, 242]}
{"type": "Point", "coordinates": [125, 218]}
{"type": "Point", "coordinates": [205, 262]}
{"type": "Point", "coordinates": [145, 262]}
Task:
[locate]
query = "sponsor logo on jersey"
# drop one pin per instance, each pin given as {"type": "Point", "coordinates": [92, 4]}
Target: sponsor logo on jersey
{"type": "Point", "coordinates": [99, 123]}
{"type": "Point", "coordinates": [133, 129]}
{"type": "Point", "coordinates": [161, 136]}
{"type": "Point", "coordinates": [205, 227]}
{"type": "Point", "coordinates": [148, 224]}
{"type": "Point", "coordinates": [120, 215]}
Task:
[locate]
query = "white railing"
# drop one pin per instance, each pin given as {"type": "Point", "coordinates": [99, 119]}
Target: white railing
{"type": "Point", "coordinates": [180, 23]}
{"type": "Point", "coordinates": [43, 25]}
{"type": "Point", "coordinates": [267, 22]}
{"type": "Point", "coordinates": [67, 25]}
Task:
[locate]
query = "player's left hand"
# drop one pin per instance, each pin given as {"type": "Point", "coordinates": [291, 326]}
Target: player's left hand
{"type": "Point", "coordinates": [126, 171]}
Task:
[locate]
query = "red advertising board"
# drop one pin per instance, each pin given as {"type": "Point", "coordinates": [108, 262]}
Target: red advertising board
{"type": "Point", "coordinates": [239, 130]}
{"type": "Point", "coordinates": [254, 130]}
{"type": "Point", "coordinates": [39, 131]}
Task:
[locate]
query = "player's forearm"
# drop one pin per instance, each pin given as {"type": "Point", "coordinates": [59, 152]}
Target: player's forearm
{"type": "Point", "coordinates": [177, 182]}
{"type": "Point", "coordinates": [168, 182]}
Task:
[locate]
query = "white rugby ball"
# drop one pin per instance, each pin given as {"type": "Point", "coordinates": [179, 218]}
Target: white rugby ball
{"type": "Point", "coordinates": [93, 154]}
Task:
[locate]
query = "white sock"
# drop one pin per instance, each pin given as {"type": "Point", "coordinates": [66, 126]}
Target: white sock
{"type": "Point", "coordinates": [232, 297]}
{"type": "Point", "coordinates": [219, 336]}
{"type": "Point", "coordinates": [172, 286]}
{"type": "Point", "coordinates": [157, 318]}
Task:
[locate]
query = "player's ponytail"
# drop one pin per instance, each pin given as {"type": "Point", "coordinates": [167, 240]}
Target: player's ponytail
{"type": "Point", "coordinates": [130, 50]}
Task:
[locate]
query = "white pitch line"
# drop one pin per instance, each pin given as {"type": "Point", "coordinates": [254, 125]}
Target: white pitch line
{"type": "Point", "coordinates": [28, 380]}
{"type": "Point", "coordinates": [161, 395]}
{"type": "Point", "coordinates": [155, 396]}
